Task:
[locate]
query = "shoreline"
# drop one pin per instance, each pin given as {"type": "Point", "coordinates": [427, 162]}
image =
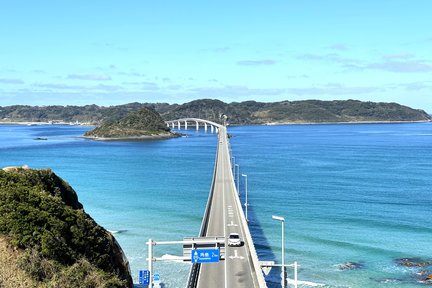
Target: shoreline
{"type": "Point", "coordinates": [134, 138]}
{"type": "Point", "coordinates": [343, 122]}
{"type": "Point", "coordinates": [29, 123]}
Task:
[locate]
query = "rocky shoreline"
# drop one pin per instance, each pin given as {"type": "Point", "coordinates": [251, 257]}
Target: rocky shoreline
{"type": "Point", "coordinates": [135, 138]}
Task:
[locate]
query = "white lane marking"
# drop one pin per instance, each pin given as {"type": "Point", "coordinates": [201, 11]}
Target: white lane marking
{"type": "Point", "coordinates": [236, 256]}
{"type": "Point", "coordinates": [232, 224]}
{"type": "Point", "coordinates": [224, 221]}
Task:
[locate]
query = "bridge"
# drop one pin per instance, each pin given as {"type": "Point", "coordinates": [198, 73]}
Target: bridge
{"type": "Point", "coordinates": [194, 122]}
{"type": "Point", "coordinates": [224, 215]}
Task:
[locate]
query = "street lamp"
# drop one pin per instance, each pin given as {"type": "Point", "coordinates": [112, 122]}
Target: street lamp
{"type": "Point", "coordinates": [282, 220]}
{"type": "Point", "coordinates": [246, 192]}
{"type": "Point", "coordinates": [238, 176]}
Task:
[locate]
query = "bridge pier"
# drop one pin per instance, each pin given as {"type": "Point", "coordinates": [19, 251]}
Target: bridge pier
{"type": "Point", "coordinates": [205, 127]}
{"type": "Point", "coordinates": [185, 125]}
{"type": "Point", "coordinates": [197, 125]}
{"type": "Point", "coordinates": [172, 125]}
{"type": "Point", "coordinates": [211, 128]}
{"type": "Point", "coordinates": [178, 125]}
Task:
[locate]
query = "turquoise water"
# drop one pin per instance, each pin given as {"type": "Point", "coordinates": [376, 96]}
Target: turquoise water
{"type": "Point", "coordinates": [358, 193]}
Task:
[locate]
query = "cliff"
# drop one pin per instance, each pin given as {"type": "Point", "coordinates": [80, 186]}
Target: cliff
{"type": "Point", "coordinates": [142, 124]}
{"type": "Point", "coordinates": [47, 239]}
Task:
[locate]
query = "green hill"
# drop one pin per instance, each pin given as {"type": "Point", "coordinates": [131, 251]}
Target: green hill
{"type": "Point", "coordinates": [54, 243]}
{"type": "Point", "coordinates": [248, 112]}
{"type": "Point", "coordinates": [140, 124]}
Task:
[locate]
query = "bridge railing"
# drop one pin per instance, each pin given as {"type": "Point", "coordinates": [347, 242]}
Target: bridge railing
{"type": "Point", "coordinates": [248, 236]}
{"type": "Point", "coordinates": [194, 271]}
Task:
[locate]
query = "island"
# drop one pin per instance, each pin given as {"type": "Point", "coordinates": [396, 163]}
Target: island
{"type": "Point", "coordinates": [48, 240]}
{"type": "Point", "coordinates": [143, 124]}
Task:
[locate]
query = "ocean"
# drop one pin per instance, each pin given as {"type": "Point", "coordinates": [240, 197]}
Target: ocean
{"type": "Point", "coordinates": [356, 193]}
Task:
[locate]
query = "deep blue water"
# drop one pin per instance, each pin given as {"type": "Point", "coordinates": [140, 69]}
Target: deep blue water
{"type": "Point", "coordinates": [358, 193]}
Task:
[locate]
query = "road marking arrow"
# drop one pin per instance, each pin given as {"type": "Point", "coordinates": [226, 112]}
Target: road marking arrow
{"type": "Point", "coordinates": [236, 256]}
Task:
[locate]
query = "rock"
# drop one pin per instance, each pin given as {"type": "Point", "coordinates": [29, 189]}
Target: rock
{"type": "Point", "coordinates": [413, 262]}
{"type": "Point", "coordinates": [350, 266]}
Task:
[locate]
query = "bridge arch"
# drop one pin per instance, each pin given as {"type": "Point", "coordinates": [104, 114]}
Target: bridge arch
{"type": "Point", "coordinates": [185, 122]}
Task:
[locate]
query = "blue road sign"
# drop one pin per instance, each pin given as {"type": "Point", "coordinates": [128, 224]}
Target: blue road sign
{"type": "Point", "coordinates": [205, 255]}
{"type": "Point", "coordinates": [144, 277]}
{"type": "Point", "coordinates": [156, 277]}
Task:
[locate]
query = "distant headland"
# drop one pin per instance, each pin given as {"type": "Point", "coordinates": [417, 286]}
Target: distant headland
{"type": "Point", "coordinates": [48, 240]}
{"type": "Point", "coordinates": [238, 113]}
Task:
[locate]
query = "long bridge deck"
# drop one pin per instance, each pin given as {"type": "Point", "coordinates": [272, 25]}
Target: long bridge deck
{"type": "Point", "coordinates": [224, 215]}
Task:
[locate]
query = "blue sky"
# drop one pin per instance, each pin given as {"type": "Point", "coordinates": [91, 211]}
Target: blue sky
{"type": "Point", "coordinates": [115, 52]}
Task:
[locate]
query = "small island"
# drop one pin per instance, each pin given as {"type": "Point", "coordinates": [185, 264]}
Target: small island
{"type": "Point", "coordinates": [143, 124]}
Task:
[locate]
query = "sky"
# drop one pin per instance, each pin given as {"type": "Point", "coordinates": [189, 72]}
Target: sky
{"type": "Point", "coordinates": [115, 52]}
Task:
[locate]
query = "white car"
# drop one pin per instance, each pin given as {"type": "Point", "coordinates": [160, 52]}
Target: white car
{"type": "Point", "coordinates": [234, 239]}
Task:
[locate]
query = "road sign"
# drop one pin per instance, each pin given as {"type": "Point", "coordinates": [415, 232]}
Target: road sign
{"type": "Point", "coordinates": [144, 277]}
{"type": "Point", "coordinates": [202, 243]}
{"type": "Point", "coordinates": [205, 255]}
{"type": "Point", "coordinates": [156, 278]}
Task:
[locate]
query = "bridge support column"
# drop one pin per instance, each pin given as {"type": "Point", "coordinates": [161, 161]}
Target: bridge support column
{"type": "Point", "coordinates": [178, 125]}
{"type": "Point", "coordinates": [185, 125]}
{"type": "Point", "coordinates": [167, 124]}
{"type": "Point", "coordinates": [197, 125]}
{"type": "Point", "coordinates": [172, 125]}
{"type": "Point", "coordinates": [217, 130]}
{"type": "Point", "coordinates": [211, 128]}
{"type": "Point", "coordinates": [205, 127]}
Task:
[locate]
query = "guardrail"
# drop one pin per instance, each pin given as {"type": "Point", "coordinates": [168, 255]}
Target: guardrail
{"type": "Point", "coordinates": [194, 271]}
{"type": "Point", "coordinates": [253, 254]}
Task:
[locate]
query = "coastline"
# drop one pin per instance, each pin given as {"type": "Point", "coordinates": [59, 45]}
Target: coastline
{"type": "Point", "coordinates": [30, 123]}
{"type": "Point", "coordinates": [134, 138]}
{"type": "Point", "coordinates": [342, 122]}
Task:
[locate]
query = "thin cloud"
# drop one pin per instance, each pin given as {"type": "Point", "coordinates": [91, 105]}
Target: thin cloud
{"type": "Point", "coordinates": [234, 91]}
{"type": "Point", "coordinates": [11, 81]}
{"type": "Point", "coordinates": [78, 88]}
{"type": "Point", "coordinates": [58, 86]}
{"type": "Point", "coordinates": [334, 89]}
{"type": "Point", "coordinates": [417, 86]}
{"type": "Point", "coordinates": [401, 67]}
{"type": "Point", "coordinates": [338, 46]}
{"type": "Point", "coordinates": [398, 56]}
{"type": "Point", "coordinates": [90, 77]}
{"type": "Point", "coordinates": [256, 62]}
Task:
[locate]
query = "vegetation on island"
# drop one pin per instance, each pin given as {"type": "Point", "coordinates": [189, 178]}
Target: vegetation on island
{"type": "Point", "coordinates": [145, 122]}
{"type": "Point", "coordinates": [239, 113]}
{"type": "Point", "coordinates": [47, 239]}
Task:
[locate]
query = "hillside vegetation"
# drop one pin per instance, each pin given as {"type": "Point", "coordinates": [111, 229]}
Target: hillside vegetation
{"type": "Point", "coordinates": [46, 236]}
{"type": "Point", "coordinates": [142, 123]}
{"type": "Point", "coordinates": [248, 112]}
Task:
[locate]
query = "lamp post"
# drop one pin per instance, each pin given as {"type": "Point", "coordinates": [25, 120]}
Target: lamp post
{"type": "Point", "coordinates": [246, 196]}
{"type": "Point", "coordinates": [282, 220]}
{"type": "Point", "coordinates": [238, 176]}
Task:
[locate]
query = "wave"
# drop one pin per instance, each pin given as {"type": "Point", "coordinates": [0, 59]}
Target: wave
{"type": "Point", "coordinates": [117, 231]}
{"type": "Point", "coordinates": [305, 283]}
{"type": "Point", "coordinates": [172, 258]}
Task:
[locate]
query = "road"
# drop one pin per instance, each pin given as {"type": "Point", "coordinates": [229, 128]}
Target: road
{"type": "Point", "coordinates": [224, 218]}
